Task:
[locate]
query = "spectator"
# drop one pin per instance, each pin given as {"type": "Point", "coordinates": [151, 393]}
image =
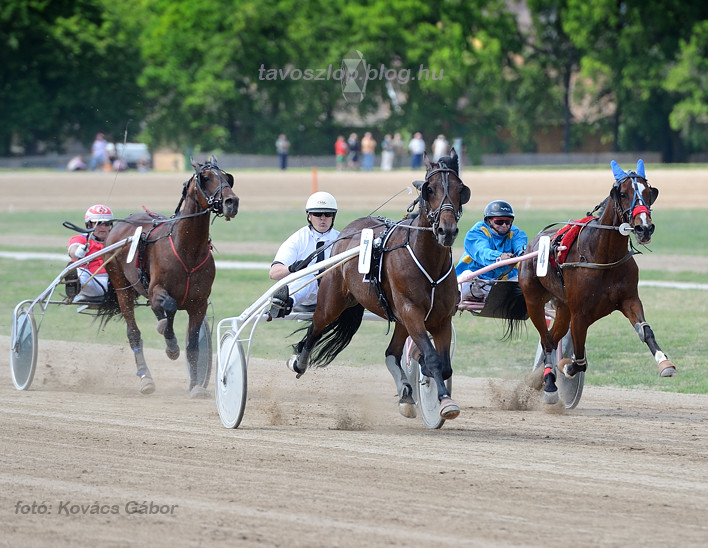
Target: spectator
{"type": "Point", "coordinates": [76, 164]}
{"type": "Point", "coordinates": [354, 150]}
{"type": "Point", "coordinates": [440, 147]}
{"type": "Point", "coordinates": [416, 147]}
{"type": "Point", "coordinates": [399, 150]}
{"type": "Point", "coordinates": [341, 149]}
{"type": "Point", "coordinates": [387, 153]}
{"type": "Point", "coordinates": [368, 151]}
{"type": "Point", "coordinates": [99, 156]}
{"type": "Point", "coordinates": [282, 147]}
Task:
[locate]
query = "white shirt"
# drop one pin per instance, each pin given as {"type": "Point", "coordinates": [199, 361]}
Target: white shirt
{"type": "Point", "coordinates": [298, 246]}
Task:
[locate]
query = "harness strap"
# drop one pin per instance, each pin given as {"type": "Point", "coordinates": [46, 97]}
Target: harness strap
{"type": "Point", "coordinates": [600, 265]}
{"type": "Point", "coordinates": [186, 270]}
{"type": "Point", "coordinates": [432, 283]}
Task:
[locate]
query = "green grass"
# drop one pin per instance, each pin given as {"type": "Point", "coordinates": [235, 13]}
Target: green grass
{"type": "Point", "coordinates": [615, 354]}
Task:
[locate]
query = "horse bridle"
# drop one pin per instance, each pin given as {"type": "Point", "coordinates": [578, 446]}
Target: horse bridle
{"type": "Point", "coordinates": [638, 204]}
{"type": "Point", "coordinates": [446, 204]}
{"type": "Point", "coordinates": [214, 204]}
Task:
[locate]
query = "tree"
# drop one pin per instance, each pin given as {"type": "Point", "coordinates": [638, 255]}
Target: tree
{"type": "Point", "coordinates": [67, 70]}
{"type": "Point", "coordinates": [628, 46]}
{"type": "Point", "coordinates": [687, 80]}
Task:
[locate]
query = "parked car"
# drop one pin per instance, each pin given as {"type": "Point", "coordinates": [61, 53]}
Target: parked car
{"type": "Point", "coordinates": [133, 154]}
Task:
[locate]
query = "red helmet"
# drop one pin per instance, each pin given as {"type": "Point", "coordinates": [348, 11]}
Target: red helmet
{"type": "Point", "coordinates": [98, 213]}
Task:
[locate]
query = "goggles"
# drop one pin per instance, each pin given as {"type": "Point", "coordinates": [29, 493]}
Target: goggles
{"type": "Point", "coordinates": [502, 222]}
{"type": "Point", "coordinates": [327, 214]}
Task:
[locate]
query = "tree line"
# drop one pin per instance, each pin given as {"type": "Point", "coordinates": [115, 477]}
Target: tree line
{"type": "Point", "coordinates": [230, 75]}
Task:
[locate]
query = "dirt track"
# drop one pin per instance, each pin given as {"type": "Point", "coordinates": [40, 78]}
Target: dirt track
{"type": "Point", "coordinates": [326, 460]}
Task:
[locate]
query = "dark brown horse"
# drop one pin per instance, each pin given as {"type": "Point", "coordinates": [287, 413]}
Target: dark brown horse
{"type": "Point", "coordinates": [412, 283]}
{"type": "Point", "coordinates": [599, 276]}
{"type": "Point", "coordinates": [174, 267]}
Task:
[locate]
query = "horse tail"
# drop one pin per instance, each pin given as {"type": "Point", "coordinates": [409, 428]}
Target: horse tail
{"type": "Point", "coordinates": [336, 336]}
{"type": "Point", "coordinates": [515, 313]}
{"type": "Point", "coordinates": [110, 307]}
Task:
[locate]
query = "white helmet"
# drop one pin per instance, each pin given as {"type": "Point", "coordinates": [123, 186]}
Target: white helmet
{"type": "Point", "coordinates": [321, 202]}
{"type": "Point", "coordinates": [98, 214]}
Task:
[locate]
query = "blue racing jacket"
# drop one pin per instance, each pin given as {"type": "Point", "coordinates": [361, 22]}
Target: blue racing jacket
{"type": "Point", "coordinates": [483, 247]}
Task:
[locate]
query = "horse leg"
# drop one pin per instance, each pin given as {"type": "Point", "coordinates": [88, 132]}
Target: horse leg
{"type": "Point", "coordinates": [579, 363]}
{"type": "Point", "coordinates": [126, 300]}
{"type": "Point", "coordinates": [195, 323]}
{"type": "Point", "coordinates": [634, 311]}
{"type": "Point", "coordinates": [394, 353]}
{"type": "Point", "coordinates": [164, 306]}
{"type": "Point", "coordinates": [299, 362]}
{"type": "Point", "coordinates": [442, 335]}
{"type": "Point", "coordinates": [535, 306]}
{"type": "Point", "coordinates": [435, 365]}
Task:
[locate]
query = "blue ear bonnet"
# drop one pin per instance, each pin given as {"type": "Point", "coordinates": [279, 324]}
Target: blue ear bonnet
{"type": "Point", "coordinates": [620, 175]}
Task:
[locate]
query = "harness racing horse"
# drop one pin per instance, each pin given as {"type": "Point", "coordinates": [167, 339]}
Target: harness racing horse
{"type": "Point", "coordinates": [414, 285]}
{"type": "Point", "coordinates": [174, 267]}
{"type": "Point", "coordinates": [599, 276]}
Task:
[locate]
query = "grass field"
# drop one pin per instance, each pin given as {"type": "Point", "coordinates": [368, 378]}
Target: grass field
{"type": "Point", "coordinates": [615, 354]}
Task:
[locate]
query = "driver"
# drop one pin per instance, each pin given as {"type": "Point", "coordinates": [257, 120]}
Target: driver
{"type": "Point", "coordinates": [321, 209]}
{"type": "Point", "coordinates": [93, 277]}
{"type": "Point", "coordinates": [494, 239]}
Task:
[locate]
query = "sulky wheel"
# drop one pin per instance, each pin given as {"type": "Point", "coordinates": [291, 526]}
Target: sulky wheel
{"type": "Point", "coordinates": [231, 382]}
{"type": "Point", "coordinates": [23, 355]}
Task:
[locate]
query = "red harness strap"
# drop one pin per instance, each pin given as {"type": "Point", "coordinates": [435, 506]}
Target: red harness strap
{"type": "Point", "coordinates": [566, 236]}
{"type": "Point", "coordinates": [186, 270]}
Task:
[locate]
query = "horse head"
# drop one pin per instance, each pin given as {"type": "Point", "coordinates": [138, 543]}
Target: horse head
{"type": "Point", "coordinates": [213, 189]}
{"type": "Point", "coordinates": [442, 196]}
{"type": "Point", "coordinates": [633, 197]}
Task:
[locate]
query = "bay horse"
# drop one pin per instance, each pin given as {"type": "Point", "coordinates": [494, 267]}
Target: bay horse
{"type": "Point", "coordinates": [412, 283]}
{"type": "Point", "coordinates": [599, 276]}
{"type": "Point", "coordinates": [174, 267]}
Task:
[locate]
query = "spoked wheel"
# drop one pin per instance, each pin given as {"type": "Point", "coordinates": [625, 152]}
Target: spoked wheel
{"type": "Point", "coordinates": [569, 390]}
{"type": "Point", "coordinates": [23, 355]}
{"type": "Point", "coordinates": [204, 363]}
{"type": "Point", "coordinates": [230, 384]}
{"type": "Point", "coordinates": [425, 391]}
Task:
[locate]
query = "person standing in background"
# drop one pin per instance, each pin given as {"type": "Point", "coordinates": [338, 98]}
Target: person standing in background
{"type": "Point", "coordinates": [340, 152]}
{"type": "Point", "coordinates": [440, 147]}
{"type": "Point", "coordinates": [354, 150]}
{"type": "Point", "coordinates": [99, 155]}
{"type": "Point", "coordinates": [387, 153]}
{"type": "Point", "coordinates": [416, 147]}
{"type": "Point", "coordinates": [282, 147]}
{"type": "Point", "coordinates": [368, 151]}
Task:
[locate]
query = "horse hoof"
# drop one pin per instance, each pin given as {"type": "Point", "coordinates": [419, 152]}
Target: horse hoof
{"type": "Point", "coordinates": [449, 409]}
{"type": "Point", "coordinates": [172, 349]}
{"type": "Point", "coordinates": [550, 398]}
{"type": "Point", "coordinates": [294, 367]}
{"type": "Point", "coordinates": [161, 326]}
{"type": "Point", "coordinates": [198, 392]}
{"type": "Point", "coordinates": [562, 367]}
{"type": "Point", "coordinates": [667, 369]}
{"type": "Point", "coordinates": [407, 410]}
{"type": "Point", "coordinates": [147, 385]}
